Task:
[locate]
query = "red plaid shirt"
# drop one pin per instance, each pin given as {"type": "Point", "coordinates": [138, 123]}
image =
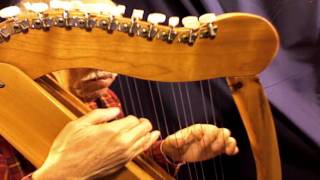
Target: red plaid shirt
{"type": "Point", "coordinates": [14, 167]}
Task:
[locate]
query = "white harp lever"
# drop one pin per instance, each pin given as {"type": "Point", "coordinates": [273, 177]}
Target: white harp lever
{"type": "Point", "coordinates": [156, 18]}
{"type": "Point", "coordinates": [91, 8]}
{"type": "Point", "coordinates": [10, 11]}
{"type": "Point", "coordinates": [118, 10]}
{"type": "Point", "coordinates": [191, 22]}
{"type": "Point", "coordinates": [36, 7]}
{"type": "Point", "coordinates": [173, 21]}
{"type": "Point", "coordinates": [207, 18]}
{"type": "Point", "coordinates": [137, 14]}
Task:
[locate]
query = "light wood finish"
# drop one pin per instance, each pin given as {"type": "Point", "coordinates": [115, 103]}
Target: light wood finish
{"type": "Point", "coordinates": [257, 118]}
{"type": "Point", "coordinates": [25, 104]}
{"type": "Point", "coordinates": [244, 45]}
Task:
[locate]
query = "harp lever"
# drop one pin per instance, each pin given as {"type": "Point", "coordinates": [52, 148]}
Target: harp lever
{"type": "Point", "coordinates": [192, 23]}
{"type": "Point", "coordinates": [172, 33]}
{"type": "Point", "coordinates": [43, 21]}
{"type": "Point", "coordinates": [211, 30]}
{"type": "Point", "coordinates": [4, 35]}
{"type": "Point", "coordinates": [134, 26]}
{"type": "Point", "coordinates": [154, 19]}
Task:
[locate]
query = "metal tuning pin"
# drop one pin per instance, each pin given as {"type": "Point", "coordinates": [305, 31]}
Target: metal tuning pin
{"type": "Point", "coordinates": [43, 21]}
{"type": "Point", "coordinates": [154, 19]}
{"type": "Point", "coordinates": [171, 34]}
{"type": "Point", "coordinates": [64, 20]}
{"type": "Point", "coordinates": [134, 26]}
{"type": "Point", "coordinates": [88, 21]}
{"type": "Point", "coordinates": [18, 26]}
{"type": "Point", "coordinates": [192, 23]}
{"type": "Point", "coordinates": [4, 34]}
{"type": "Point", "coordinates": [110, 24]}
{"type": "Point", "coordinates": [208, 20]}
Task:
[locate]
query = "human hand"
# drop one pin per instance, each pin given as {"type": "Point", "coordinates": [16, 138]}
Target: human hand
{"type": "Point", "coordinates": [92, 147]}
{"type": "Point", "coordinates": [198, 143]}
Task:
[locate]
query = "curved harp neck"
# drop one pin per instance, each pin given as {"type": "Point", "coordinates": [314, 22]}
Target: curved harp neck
{"type": "Point", "coordinates": [239, 45]}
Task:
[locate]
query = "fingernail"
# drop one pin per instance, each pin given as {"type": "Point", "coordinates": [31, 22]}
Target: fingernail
{"type": "Point", "coordinates": [155, 135]}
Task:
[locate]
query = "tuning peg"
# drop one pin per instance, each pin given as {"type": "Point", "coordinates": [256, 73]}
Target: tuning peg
{"type": "Point", "coordinates": [72, 5]}
{"type": "Point", "coordinates": [207, 18]}
{"type": "Point", "coordinates": [43, 21]}
{"type": "Point", "coordinates": [55, 4]}
{"type": "Point", "coordinates": [191, 22]}
{"type": "Point", "coordinates": [118, 10]}
{"type": "Point", "coordinates": [10, 11]}
{"type": "Point", "coordinates": [137, 14]}
{"type": "Point", "coordinates": [65, 5]}
{"type": "Point", "coordinates": [37, 7]}
{"type": "Point", "coordinates": [90, 8]}
{"type": "Point", "coordinates": [121, 9]}
{"type": "Point", "coordinates": [173, 21]}
{"type": "Point", "coordinates": [156, 18]}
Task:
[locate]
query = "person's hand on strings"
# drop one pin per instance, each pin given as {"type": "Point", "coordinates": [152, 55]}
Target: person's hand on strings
{"type": "Point", "coordinates": [93, 147]}
{"type": "Point", "coordinates": [198, 143]}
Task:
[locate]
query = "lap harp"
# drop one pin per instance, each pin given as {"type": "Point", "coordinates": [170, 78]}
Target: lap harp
{"type": "Point", "coordinates": [41, 40]}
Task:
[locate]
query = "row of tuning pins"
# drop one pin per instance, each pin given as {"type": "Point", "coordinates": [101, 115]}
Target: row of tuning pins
{"type": "Point", "coordinates": [110, 24]}
{"type": "Point", "coordinates": [154, 19]}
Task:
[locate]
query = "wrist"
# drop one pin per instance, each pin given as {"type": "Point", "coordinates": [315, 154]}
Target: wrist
{"type": "Point", "coordinates": [175, 164]}
{"type": "Point", "coordinates": [47, 173]}
{"type": "Point", "coordinates": [169, 156]}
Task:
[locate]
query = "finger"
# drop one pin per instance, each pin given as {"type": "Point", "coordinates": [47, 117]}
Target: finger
{"type": "Point", "coordinates": [197, 131]}
{"type": "Point", "coordinates": [135, 133]}
{"type": "Point", "coordinates": [124, 124]}
{"type": "Point", "coordinates": [231, 146]}
{"type": "Point", "coordinates": [236, 151]}
{"type": "Point", "coordinates": [144, 143]}
{"type": "Point", "coordinates": [218, 145]}
{"type": "Point", "coordinates": [180, 138]}
{"type": "Point", "coordinates": [210, 135]}
{"type": "Point", "coordinates": [226, 134]}
{"type": "Point", "coordinates": [99, 116]}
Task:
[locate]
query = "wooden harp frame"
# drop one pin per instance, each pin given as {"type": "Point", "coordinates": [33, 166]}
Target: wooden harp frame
{"type": "Point", "coordinates": [245, 45]}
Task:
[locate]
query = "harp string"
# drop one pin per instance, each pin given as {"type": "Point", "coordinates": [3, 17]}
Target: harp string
{"type": "Point", "coordinates": [219, 158]}
{"type": "Point", "coordinates": [179, 123]}
{"type": "Point", "coordinates": [214, 122]}
{"type": "Point", "coordinates": [181, 94]}
{"type": "Point", "coordinates": [193, 122]}
{"type": "Point", "coordinates": [186, 124]}
{"type": "Point", "coordinates": [156, 115]}
{"type": "Point", "coordinates": [130, 96]}
{"type": "Point", "coordinates": [138, 97]}
{"type": "Point", "coordinates": [122, 96]}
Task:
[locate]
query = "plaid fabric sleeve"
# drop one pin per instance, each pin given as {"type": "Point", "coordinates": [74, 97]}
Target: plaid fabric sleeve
{"type": "Point", "coordinates": [156, 153]}
{"type": "Point", "coordinates": [110, 99]}
{"type": "Point", "coordinates": [9, 165]}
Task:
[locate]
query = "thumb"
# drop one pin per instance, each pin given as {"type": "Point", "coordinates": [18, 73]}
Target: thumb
{"type": "Point", "coordinates": [99, 116]}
